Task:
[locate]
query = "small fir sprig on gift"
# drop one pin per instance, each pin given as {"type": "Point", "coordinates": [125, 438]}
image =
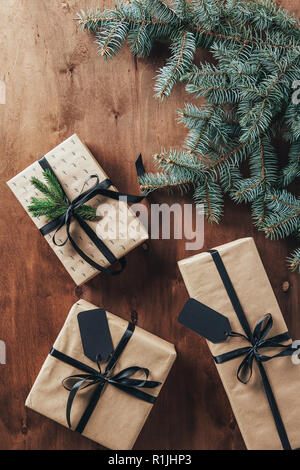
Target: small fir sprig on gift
{"type": "Point", "coordinates": [249, 100]}
{"type": "Point", "coordinates": [54, 204]}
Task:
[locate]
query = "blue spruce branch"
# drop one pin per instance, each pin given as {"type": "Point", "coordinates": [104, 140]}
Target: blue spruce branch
{"type": "Point", "coordinates": [248, 99]}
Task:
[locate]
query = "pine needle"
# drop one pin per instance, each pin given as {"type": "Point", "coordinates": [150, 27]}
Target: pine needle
{"type": "Point", "coordinates": [54, 204]}
{"type": "Point", "coordinates": [249, 99]}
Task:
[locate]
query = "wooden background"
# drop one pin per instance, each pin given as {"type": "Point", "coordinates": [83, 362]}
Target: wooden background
{"type": "Point", "coordinates": [56, 86]}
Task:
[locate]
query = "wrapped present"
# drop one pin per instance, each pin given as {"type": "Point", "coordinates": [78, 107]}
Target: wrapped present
{"type": "Point", "coordinates": [233, 306]}
{"type": "Point", "coordinates": [85, 247]}
{"type": "Point", "coordinates": [107, 402]}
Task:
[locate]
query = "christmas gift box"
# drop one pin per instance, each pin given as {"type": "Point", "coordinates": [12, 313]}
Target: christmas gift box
{"type": "Point", "coordinates": [102, 376]}
{"type": "Point", "coordinates": [79, 186]}
{"type": "Point", "coordinates": [233, 306]}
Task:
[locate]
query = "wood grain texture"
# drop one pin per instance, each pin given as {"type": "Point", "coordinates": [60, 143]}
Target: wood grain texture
{"type": "Point", "coordinates": [55, 86]}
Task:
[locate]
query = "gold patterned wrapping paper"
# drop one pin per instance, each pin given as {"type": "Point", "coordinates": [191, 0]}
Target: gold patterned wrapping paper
{"type": "Point", "coordinates": [118, 418]}
{"type": "Point", "coordinates": [73, 163]}
{"type": "Point", "coordinates": [249, 402]}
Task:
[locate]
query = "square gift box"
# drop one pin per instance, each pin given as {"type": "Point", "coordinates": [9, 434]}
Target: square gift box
{"type": "Point", "coordinates": [118, 417]}
{"type": "Point", "coordinates": [72, 163]}
{"type": "Point", "coordinates": [203, 279]}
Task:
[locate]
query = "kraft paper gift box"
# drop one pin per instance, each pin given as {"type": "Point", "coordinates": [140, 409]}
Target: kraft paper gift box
{"type": "Point", "coordinates": [118, 417]}
{"type": "Point", "coordinates": [73, 163]}
{"type": "Point", "coordinates": [249, 401]}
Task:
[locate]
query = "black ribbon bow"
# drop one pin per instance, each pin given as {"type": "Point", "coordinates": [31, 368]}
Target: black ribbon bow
{"type": "Point", "coordinates": [258, 341]}
{"type": "Point", "coordinates": [99, 188]}
{"type": "Point", "coordinates": [122, 380]}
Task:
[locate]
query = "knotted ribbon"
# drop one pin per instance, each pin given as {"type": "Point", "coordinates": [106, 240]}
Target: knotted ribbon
{"type": "Point", "coordinates": [99, 188]}
{"type": "Point", "coordinates": [92, 377]}
{"type": "Point", "coordinates": [258, 341]}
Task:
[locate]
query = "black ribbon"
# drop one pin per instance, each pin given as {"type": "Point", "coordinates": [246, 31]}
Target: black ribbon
{"type": "Point", "coordinates": [99, 188]}
{"type": "Point", "coordinates": [92, 377]}
{"type": "Point", "coordinates": [258, 340]}
{"type": "Point", "coordinates": [262, 328]}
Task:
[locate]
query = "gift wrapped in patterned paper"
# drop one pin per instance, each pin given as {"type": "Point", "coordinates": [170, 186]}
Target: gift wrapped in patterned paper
{"type": "Point", "coordinates": [72, 163]}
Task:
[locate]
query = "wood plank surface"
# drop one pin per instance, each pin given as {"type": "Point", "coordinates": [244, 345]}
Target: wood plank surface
{"type": "Point", "coordinates": [55, 86]}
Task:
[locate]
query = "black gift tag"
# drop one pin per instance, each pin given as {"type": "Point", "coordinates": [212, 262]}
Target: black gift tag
{"type": "Point", "coordinates": [205, 321]}
{"type": "Point", "coordinates": [95, 334]}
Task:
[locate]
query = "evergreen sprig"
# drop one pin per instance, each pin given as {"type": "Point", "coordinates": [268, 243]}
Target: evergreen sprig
{"type": "Point", "coordinates": [294, 260]}
{"type": "Point", "coordinates": [248, 100]}
{"type": "Point", "coordinates": [54, 204]}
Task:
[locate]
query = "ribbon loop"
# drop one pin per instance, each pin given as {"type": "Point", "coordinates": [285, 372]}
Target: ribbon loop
{"type": "Point", "coordinates": [86, 380]}
{"type": "Point", "coordinates": [262, 328]}
{"type": "Point", "coordinates": [257, 340]}
{"type": "Point", "coordinates": [244, 372]}
{"type": "Point", "coordinates": [122, 380]}
{"type": "Point", "coordinates": [98, 188]}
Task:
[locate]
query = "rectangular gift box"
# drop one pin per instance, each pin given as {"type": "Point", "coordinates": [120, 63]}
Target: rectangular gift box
{"type": "Point", "coordinates": [248, 401]}
{"type": "Point", "coordinates": [73, 163]}
{"type": "Point", "coordinates": [118, 417]}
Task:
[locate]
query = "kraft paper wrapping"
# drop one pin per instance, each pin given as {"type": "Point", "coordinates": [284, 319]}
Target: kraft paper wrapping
{"type": "Point", "coordinates": [73, 163]}
{"type": "Point", "coordinates": [249, 402]}
{"type": "Point", "coordinates": [118, 418]}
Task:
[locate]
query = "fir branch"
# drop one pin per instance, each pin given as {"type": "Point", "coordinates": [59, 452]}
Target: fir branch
{"type": "Point", "coordinates": [47, 207]}
{"type": "Point", "coordinates": [283, 215]}
{"type": "Point", "coordinates": [263, 174]}
{"type": "Point", "coordinates": [152, 182]}
{"type": "Point", "coordinates": [54, 204]}
{"type": "Point", "coordinates": [210, 195]}
{"type": "Point", "coordinates": [228, 177]}
{"type": "Point", "coordinates": [235, 156]}
{"type": "Point", "coordinates": [263, 112]}
{"type": "Point", "coordinates": [248, 92]}
{"type": "Point", "coordinates": [53, 190]}
{"type": "Point", "coordinates": [292, 170]}
{"type": "Point", "coordinates": [110, 40]}
{"type": "Point", "coordinates": [200, 23]}
{"type": "Point", "coordinates": [283, 200]}
{"type": "Point", "coordinates": [280, 228]}
{"type": "Point", "coordinates": [244, 39]}
{"type": "Point", "coordinates": [86, 212]}
{"type": "Point", "coordinates": [292, 121]}
{"type": "Point", "coordinates": [183, 49]}
{"type": "Point", "coordinates": [294, 260]}
{"type": "Point", "coordinates": [179, 163]}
